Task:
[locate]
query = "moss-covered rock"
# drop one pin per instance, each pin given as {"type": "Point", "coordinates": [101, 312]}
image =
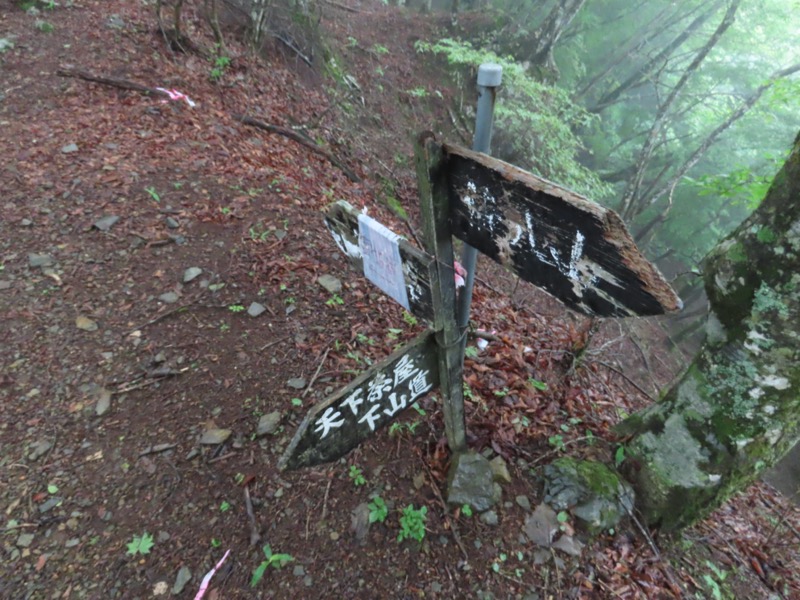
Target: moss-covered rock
{"type": "Point", "coordinates": [596, 496]}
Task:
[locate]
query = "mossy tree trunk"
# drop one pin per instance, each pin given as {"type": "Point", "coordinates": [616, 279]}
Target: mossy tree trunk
{"type": "Point", "coordinates": [736, 410]}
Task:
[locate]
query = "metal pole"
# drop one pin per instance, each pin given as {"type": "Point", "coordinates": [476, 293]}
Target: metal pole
{"type": "Point", "coordinates": [489, 77]}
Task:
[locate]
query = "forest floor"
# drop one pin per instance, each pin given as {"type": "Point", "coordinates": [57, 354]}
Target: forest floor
{"type": "Point", "coordinates": [132, 392]}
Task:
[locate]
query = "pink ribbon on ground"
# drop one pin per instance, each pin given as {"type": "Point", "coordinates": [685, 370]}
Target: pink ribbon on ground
{"type": "Point", "coordinates": [176, 95]}
{"type": "Point", "coordinates": [207, 579]}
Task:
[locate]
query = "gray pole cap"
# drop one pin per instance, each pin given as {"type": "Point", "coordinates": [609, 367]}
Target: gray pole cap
{"type": "Point", "coordinates": [490, 75]}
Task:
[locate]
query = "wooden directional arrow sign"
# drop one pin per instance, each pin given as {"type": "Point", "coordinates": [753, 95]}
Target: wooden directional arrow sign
{"type": "Point", "coordinates": [578, 251]}
{"type": "Point", "coordinates": [342, 221]}
{"type": "Point", "coordinates": [334, 427]}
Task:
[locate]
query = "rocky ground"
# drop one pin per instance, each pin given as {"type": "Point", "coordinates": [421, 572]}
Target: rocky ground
{"type": "Point", "coordinates": [166, 324]}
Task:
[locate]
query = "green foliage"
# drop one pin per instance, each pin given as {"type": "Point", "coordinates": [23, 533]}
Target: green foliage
{"type": "Point", "coordinates": [224, 506]}
{"type": "Point", "coordinates": [276, 561]}
{"type": "Point", "coordinates": [537, 120]}
{"type": "Point", "coordinates": [412, 523]}
{"type": "Point", "coordinates": [44, 26]}
{"type": "Point", "coordinates": [356, 476]}
{"type": "Point", "coordinates": [619, 456]}
{"type": "Point", "coordinates": [380, 49]}
{"type": "Point", "coordinates": [140, 544]}
{"type": "Point", "coordinates": [466, 510]}
{"type": "Point", "coordinates": [536, 384]}
{"type": "Point", "coordinates": [557, 442]}
{"type": "Point", "coordinates": [334, 300]}
{"type": "Point", "coordinates": [378, 511]}
{"type": "Point", "coordinates": [471, 352]}
{"type": "Point", "coordinates": [151, 191]}
{"type": "Point", "coordinates": [220, 64]}
{"type": "Point", "coordinates": [410, 319]}
{"type": "Point", "coordinates": [714, 583]}
{"type": "Point", "coordinates": [235, 308]}
{"type": "Point", "coordinates": [6, 44]}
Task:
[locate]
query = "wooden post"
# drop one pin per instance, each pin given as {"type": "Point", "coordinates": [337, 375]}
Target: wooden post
{"type": "Point", "coordinates": [434, 201]}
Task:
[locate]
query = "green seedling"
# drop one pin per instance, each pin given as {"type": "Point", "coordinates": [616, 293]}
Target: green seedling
{"type": "Point", "coordinates": [44, 26]}
{"type": "Point", "coordinates": [140, 544]}
{"type": "Point", "coordinates": [220, 64]}
{"type": "Point", "coordinates": [52, 489]}
{"type": "Point", "coordinates": [412, 523]}
{"type": "Point", "coordinates": [537, 385]}
{"type": "Point", "coordinates": [380, 49]}
{"type": "Point", "coordinates": [393, 333]}
{"type": "Point", "coordinates": [466, 510]}
{"type": "Point", "coordinates": [619, 456]}
{"type": "Point", "coordinates": [224, 506]}
{"type": "Point", "coordinates": [276, 561]}
{"type": "Point", "coordinates": [297, 402]}
{"type": "Point", "coordinates": [334, 300]}
{"type": "Point", "coordinates": [215, 543]}
{"type": "Point", "coordinates": [357, 476]}
{"type": "Point", "coordinates": [557, 442]}
{"type": "Point", "coordinates": [471, 352]}
{"type": "Point", "coordinates": [235, 308]}
{"type": "Point", "coordinates": [378, 510]}
{"type": "Point", "coordinates": [153, 193]}
{"type": "Point", "coordinates": [410, 319]}
{"type": "Point", "coordinates": [562, 517]}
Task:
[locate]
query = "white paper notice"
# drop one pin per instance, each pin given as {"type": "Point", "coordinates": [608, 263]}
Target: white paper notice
{"type": "Point", "coordinates": [381, 256]}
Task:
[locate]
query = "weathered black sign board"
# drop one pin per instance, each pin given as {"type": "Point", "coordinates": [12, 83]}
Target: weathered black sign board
{"type": "Point", "coordinates": [342, 221]}
{"type": "Point", "coordinates": [573, 248]}
{"type": "Point", "coordinates": [578, 251]}
{"type": "Point", "coordinates": [334, 427]}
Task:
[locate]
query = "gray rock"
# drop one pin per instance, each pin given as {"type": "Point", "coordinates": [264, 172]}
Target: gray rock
{"type": "Point", "coordinates": [331, 284]}
{"type": "Point", "coordinates": [5, 285]}
{"type": "Point", "coordinates": [569, 545]}
{"type": "Point", "coordinates": [25, 540]}
{"type": "Point", "coordinates": [40, 449]}
{"type": "Point", "coordinates": [500, 470]}
{"type": "Point", "coordinates": [40, 260]}
{"type": "Point", "coordinates": [542, 525]}
{"type": "Point", "coordinates": [215, 436]}
{"type": "Point", "coordinates": [297, 383]}
{"type": "Point", "coordinates": [597, 497]}
{"type": "Point", "coordinates": [85, 323]}
{"type": "Point", "coordinates": [26, 223]}
{"type": "Point", "coordinates": [470, 481]}
{"type": "Point", "coordinates": [169, 298]}
{"type": "Point", "coordinates": [191, 273]}
{"type": "Point", "coordinates": [489, 518]}
{"type": "Point", "coordinates": [172, 222]}
{"type": "Point", "coordinates": [268, 424]}
{"type": "Point", "coordinates": [184, 577]}
{"type": "Point", "coordinates": [299, 571]}
{"type": "Point", "coordinates": [69, 148]}
{"type": "Point", "coordinates": [103, 402]}
{"type": "Point", "coordinates": [106, 223]}
{"type": "Point", "coordinates": [49, 504]}
{"type": "Point", "coordinates": [359, 522]}
{"type": "Point", "coordinates": [115, 22]}
{"type": "Point", "coordinates": [255, 309]}
{"type": "Point", "coordinates": [523, 502]}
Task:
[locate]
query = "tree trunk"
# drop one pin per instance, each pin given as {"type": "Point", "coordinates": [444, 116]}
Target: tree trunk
{"type": "Point", "coordinates": [550, 31]}
{"type": "Point", "coordinates": [736, 411]}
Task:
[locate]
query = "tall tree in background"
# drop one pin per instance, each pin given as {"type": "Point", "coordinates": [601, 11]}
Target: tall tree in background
{"type": "Point", "coordinates": [736, 410]}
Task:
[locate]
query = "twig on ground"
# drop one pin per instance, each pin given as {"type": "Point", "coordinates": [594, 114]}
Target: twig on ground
{"type": "Point", "coordinates": [157, 449]}
{"type": "Point", "coordinates": [293, 48]}
{"type": "Point", "coordinates": [325, 500]}
{"type": "Point", "coordinates": [451, 524]}
{"type": "Point", "coordinates": [223, 457]}
{"type": "Point", "coordinates": [300, 139]}
{"type": "Point", "coordinates": [273, 343]}
{"type": "Point", "coordinates": [316, 373]}
{"type": "Point", "coordinates": [255, 537]}
{"type": "Point", "coordinates": [628, 379]}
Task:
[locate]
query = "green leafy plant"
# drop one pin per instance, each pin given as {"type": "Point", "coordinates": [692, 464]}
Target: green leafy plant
{"type": "Point", "coordinates": [380, 49]}
{"type": "Point", "coordinates": [557, 442]}
{"type": "Point", "coordinates": [619, 456]}
{"type": "Point", "coordinates": [235, 308]}
{"type": "Point", "coordinates": [412, 523]}
{"type": "Point", "coordinates": [713, 583]}
{"type": "Point", "coordinates": [409, 319]}
{"type": "Point", "coordinates": [224, 506]}
{"type": "Point", "coordinates": [218, 70]}
{"type": "Point", "coordinates": [356, 476]}
{"type": "Point", "coordinates": [44, 26]}
{"type": "Point", "coordinates": [52, 489]}
{"type": "Point", "coordinates": [276, 561]}
{"type": "Point", "coordinates": [6, 44]}
{"type": "Point", "coordinates": [393, 333]}
{"type": "Point", "coordinates": [153, 193]}
{"type": "Point", "coordinates": [140, 544]}
{"type": "Point", "coordinates": [466, 510]}
{"type": "Point", "coordinates": [378, 511]}
{"type": "Point", "coordinates": [417, 92]}
{"type": "Point", "coordinates": [215, 543]}
{"type": "Point", "coordinates": [562, 517]}
{"type": "Point", "coordinates": [297, 402]}
{"type": "Point", "coordinates": [536, 384]}
{"type": "Point", "coordinates": [334, 300]}
{"type": "Point", "coordinates": [471, 352]}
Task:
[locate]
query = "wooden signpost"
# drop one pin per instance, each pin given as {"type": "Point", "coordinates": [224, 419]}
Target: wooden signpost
{"type": "Point", "coordinates": [578, 251]}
